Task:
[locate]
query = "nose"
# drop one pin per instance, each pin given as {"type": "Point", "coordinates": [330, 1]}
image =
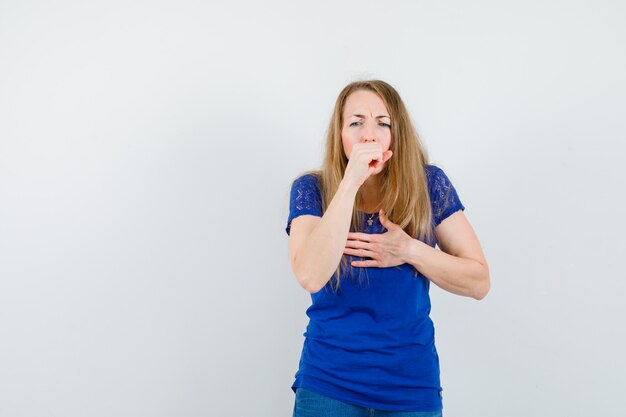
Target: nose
{"type": "Point", "coordinates": [368, 132]}
{"type": "Point", "coordinates": [368, 136]}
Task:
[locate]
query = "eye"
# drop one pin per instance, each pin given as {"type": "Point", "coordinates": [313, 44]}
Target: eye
{"type": "Point", "coordinates": [382, 124]}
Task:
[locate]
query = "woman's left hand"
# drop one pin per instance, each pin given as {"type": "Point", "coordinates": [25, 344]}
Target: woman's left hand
{"type": "Point", "coordinates": [386, 250]}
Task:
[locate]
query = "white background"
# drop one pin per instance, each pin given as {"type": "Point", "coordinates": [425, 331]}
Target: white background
{"type": "Point", "coordinates": [146, 153]}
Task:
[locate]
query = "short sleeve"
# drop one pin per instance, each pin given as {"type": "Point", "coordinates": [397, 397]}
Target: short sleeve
{"type": "Point", "coordinates": [305, 198]}
{"type": "Point", "coordinates": [444, 198]}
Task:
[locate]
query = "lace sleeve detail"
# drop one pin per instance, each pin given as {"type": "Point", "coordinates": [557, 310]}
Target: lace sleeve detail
{"type": "Point", "coordinates": [444, 197]}
{"type": "Point", "coordinates": [305, 198]}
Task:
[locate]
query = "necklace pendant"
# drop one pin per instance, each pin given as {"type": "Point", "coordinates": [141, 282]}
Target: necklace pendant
{"type": "Point", "coordinates": [369, 222]}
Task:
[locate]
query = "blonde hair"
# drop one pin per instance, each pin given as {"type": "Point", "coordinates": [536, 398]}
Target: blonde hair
{"type": "Point", "coordinates": [404, 186]}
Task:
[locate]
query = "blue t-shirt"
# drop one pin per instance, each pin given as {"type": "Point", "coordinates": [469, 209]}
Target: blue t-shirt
{"type": "Point", "coordinates": [372, 343]}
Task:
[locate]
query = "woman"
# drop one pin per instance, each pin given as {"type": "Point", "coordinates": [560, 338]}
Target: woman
{"type": "Point", "coordinates": [376, 207]}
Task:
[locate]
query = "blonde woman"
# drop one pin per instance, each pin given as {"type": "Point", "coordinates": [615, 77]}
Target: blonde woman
{"type": "Point", "coordinates": [362, 235]}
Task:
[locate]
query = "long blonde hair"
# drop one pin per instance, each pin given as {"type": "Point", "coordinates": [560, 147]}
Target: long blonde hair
{"type": "Point", "coordinates": [404, 186]}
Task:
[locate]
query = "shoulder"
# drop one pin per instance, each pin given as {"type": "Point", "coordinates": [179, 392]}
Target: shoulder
{"type": "Point", "coordinates": [308, 178]}
{"type": "Point", "coordinates": [309, 181]}
{"type": "Point", "coordinates": [433, 170]}
{"type": "Point", "coordinates": [434, 174]}
{"type": "Point", "coordinates": [436, 177]}
{"type": "Point", "coordinates": [306, 186]}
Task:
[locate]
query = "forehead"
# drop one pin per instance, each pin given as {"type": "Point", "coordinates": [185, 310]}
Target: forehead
{"type": "Point", "coordinates": [364, 102]}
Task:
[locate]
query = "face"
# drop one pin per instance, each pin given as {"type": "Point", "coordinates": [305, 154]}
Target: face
{"type": "Point", "coordinates": [365, 119]}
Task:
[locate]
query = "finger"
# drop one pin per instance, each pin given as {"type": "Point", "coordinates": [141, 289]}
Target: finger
{"type": "Point", "coordinates": [366, 237]}
{"type": "Point", "coordinates": [350, 251]}
{"type": "Point", "coordinates": [362, 253]}
{"type": "Point", "coordinates": [356, 244]}
{"type": "Point", "coordinates": [370, 263]}
{"type": "Point", "coordinates": [382, 216]}
{"type": "Point", "coordinates": [376, 159]}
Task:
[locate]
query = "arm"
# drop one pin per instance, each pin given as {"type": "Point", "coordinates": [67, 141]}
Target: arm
{"type": "Point", "coordinates": [319, 253]}
{"type": "Point", "coordinates": [460, 266]}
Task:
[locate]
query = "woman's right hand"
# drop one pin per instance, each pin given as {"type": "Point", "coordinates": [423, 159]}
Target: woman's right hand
{"type": "Point", "coordinates": [365, 159]}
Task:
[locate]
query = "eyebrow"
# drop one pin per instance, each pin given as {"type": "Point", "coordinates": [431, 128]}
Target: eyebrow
{"type": "Point", "coordinates": [363, 117]}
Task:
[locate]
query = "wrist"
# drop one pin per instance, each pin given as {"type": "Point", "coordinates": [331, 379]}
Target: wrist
{"type": "Point", "coordinates": [413, 251]}
{"type": "Point", "coordinates": [348, 187]}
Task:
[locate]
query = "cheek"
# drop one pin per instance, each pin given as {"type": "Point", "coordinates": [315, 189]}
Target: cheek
{"type": "Point", "coordinates": [388, 143]}
{"type": "Point", "coordinates": [388, 137]}
{"type": "Point", "coordinates": [347, 146]}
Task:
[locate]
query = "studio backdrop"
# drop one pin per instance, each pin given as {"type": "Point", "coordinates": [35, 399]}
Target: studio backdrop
{"type": "Point", "coordinates": [146, 154]}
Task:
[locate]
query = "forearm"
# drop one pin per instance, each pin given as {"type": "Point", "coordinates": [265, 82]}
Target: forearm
{"type": "Point", "coordinates": [322, 250]}
{"type": "Point", "coordinates": [457, 275]}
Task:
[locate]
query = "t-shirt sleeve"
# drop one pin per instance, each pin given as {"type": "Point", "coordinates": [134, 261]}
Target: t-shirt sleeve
{"type": "Point", "coordinates": [305, 198]}
{"type": "Point", "coordinates": [445, 200]}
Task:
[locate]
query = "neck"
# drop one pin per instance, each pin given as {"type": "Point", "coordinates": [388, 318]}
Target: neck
{"type": "Point", "coordinates": [370, 194]}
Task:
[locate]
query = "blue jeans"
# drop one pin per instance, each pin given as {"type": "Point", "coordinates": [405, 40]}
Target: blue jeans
{"type": "Point", "coordinates": [313, 404]}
